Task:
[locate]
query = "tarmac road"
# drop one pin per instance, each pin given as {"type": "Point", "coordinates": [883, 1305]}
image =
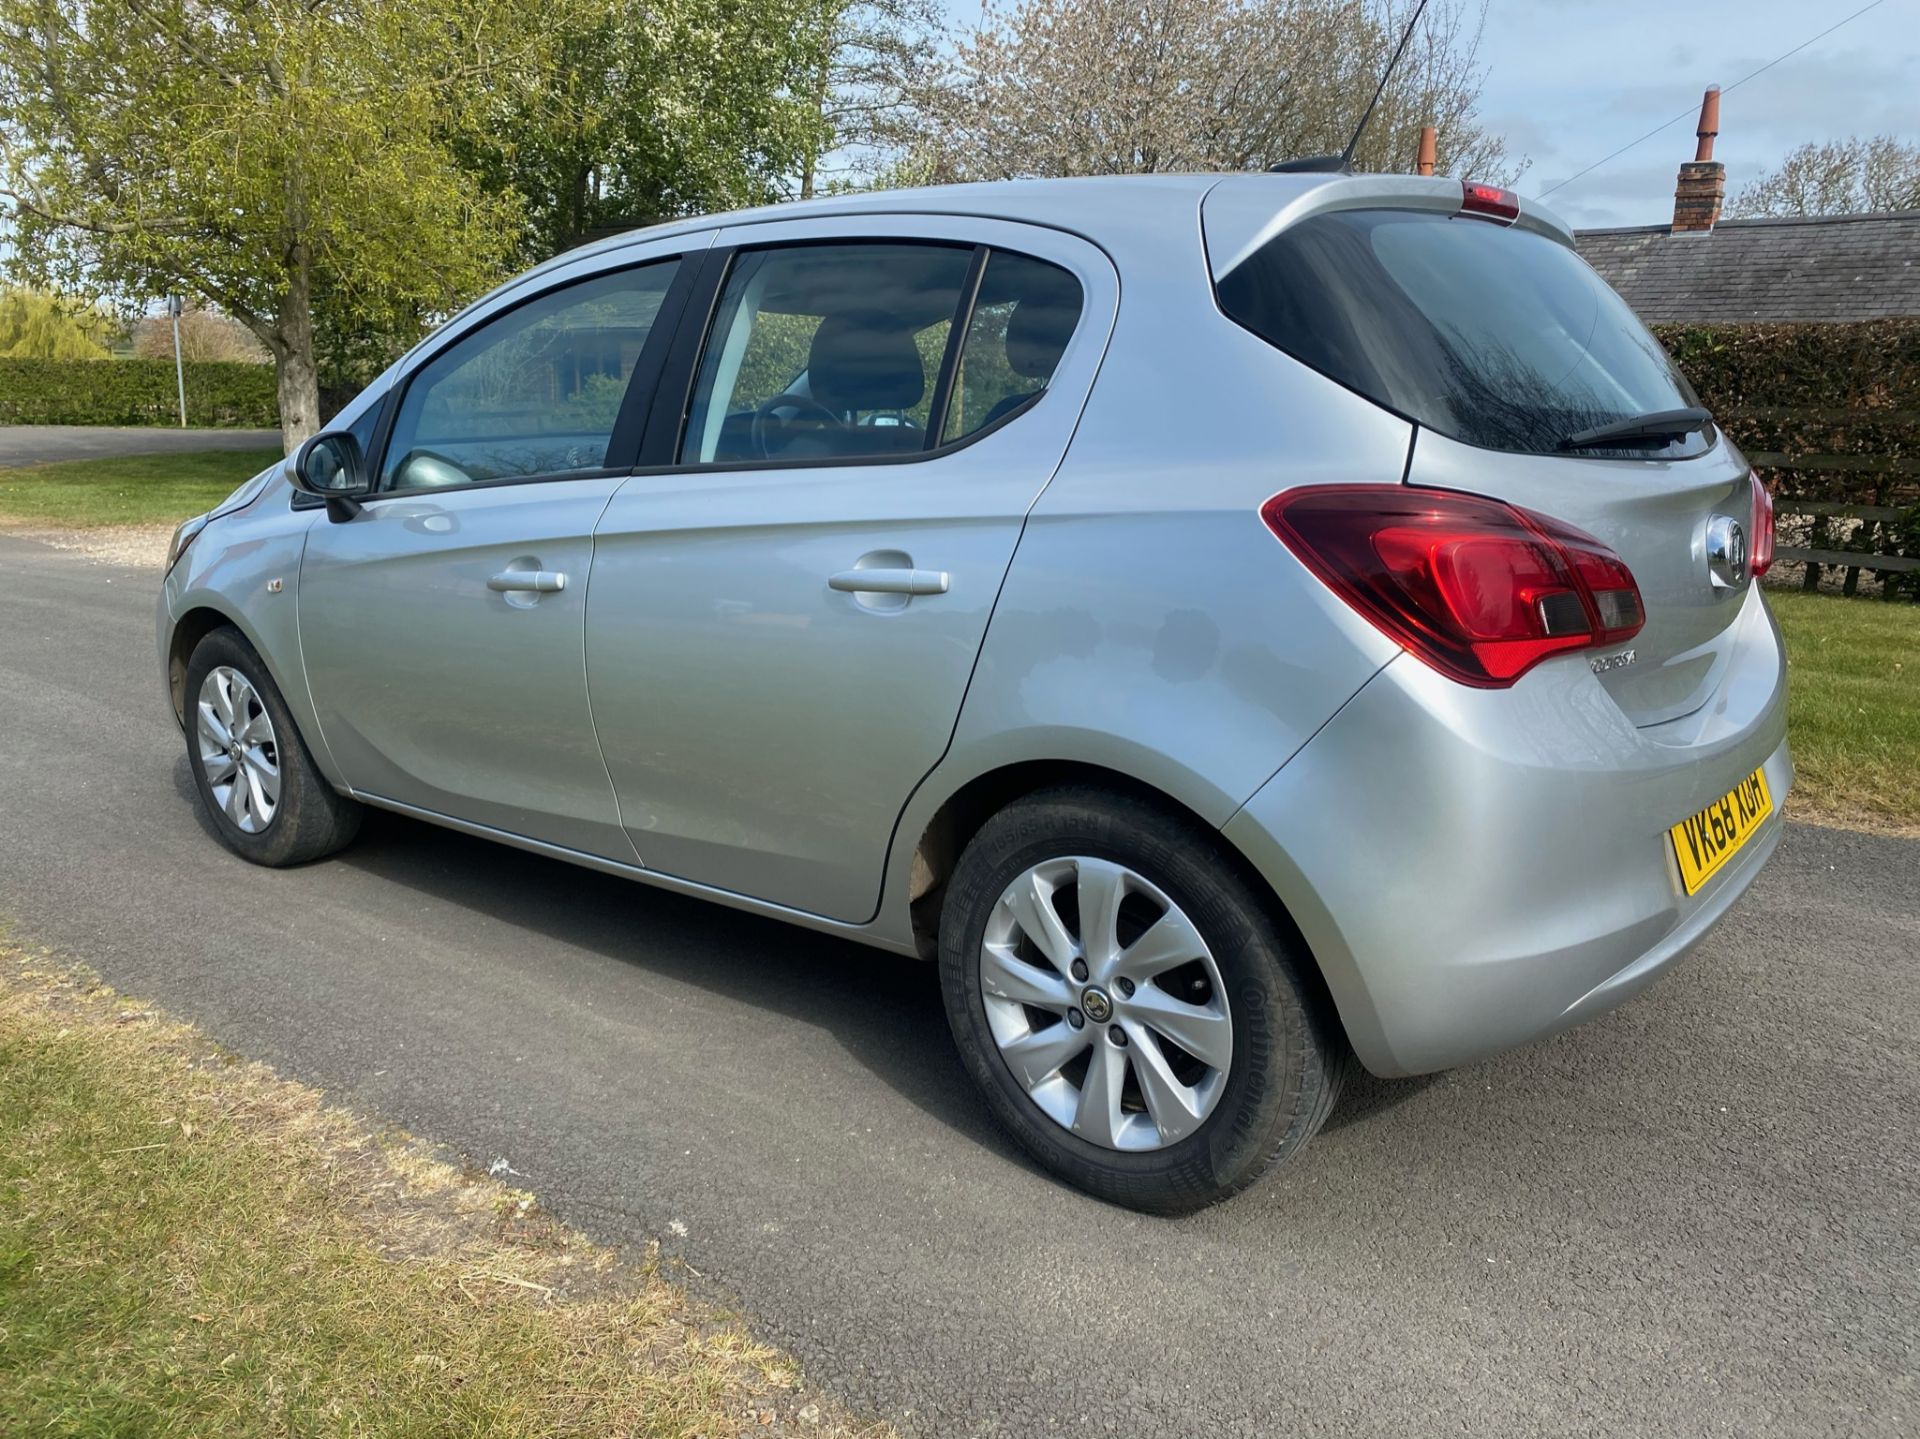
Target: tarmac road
{"type": "Point", "coordinates": [1697, 1216]}
{"type": "Point", "coordinates": [44, 444]}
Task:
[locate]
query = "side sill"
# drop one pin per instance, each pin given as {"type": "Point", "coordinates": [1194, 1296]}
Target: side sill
{"type": "Point", "coordinates": [859, 934]}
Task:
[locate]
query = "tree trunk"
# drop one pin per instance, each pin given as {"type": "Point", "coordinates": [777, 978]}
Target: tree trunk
{"type": "Point", "coordinates": [299, 380]}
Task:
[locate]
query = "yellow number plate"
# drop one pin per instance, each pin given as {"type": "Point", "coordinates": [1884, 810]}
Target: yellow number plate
{"type": "Point", "coordinates": [1706, 841]}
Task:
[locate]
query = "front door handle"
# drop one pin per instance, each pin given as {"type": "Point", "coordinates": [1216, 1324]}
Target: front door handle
{"type": "Point", "coordinates": [890, 582]}
{"type": "Point", "coordinates": [539, 582]}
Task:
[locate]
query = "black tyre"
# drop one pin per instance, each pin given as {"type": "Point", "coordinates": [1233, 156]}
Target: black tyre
{"type": "Point", "coordinates": [266, 798]}
{"type": "Point", "coordinates": [1127, 1003]}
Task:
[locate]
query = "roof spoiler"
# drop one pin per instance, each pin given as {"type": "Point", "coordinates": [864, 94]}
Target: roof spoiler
{"type": "Point", "coordinates": [1244, 211]}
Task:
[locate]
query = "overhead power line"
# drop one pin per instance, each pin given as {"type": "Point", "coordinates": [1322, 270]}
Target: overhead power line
{"type": "Point", "coordinates": [1694, 109]}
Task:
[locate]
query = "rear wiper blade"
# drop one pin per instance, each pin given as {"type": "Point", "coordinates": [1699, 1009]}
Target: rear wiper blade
{"type": "Point", "coordinates": [1658, 427]}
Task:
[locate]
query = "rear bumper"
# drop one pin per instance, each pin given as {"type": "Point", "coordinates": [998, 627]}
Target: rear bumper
{"type": "Point", "coordinates": [1474, 869]}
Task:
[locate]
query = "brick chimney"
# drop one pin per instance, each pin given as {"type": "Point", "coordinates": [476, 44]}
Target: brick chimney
{"type": "Point", "coordinates": [1429, 145]}
{"type": "Point", "coordinates": [1703, 180]}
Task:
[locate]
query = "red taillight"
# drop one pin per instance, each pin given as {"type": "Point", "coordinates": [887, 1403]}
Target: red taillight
{"type": "Point", "coordinates": [1490, 201]}
{"type": "Point", "coordinates": [1760, 547]}
{"type": "Point", "coordinates": [1480, 590]}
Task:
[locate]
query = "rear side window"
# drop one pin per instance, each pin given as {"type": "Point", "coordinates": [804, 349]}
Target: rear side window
{"type": "Point", "coordinates": [850, 351]}
{"type": "Point", "coordinates": [1022, 320]}
{"type": "Point", "coordinates": [1497, 337]}
{"type": "Point", "coordinates": [825, 352]}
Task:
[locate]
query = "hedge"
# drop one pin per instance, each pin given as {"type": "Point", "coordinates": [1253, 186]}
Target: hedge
{"type": "Point", "coordinates": [221, 393]}
{"type": "Point", "coordinates": [1827, 413]}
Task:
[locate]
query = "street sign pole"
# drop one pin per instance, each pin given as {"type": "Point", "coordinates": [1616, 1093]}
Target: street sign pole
{"type": "Point", "coordinates": [179, 367]}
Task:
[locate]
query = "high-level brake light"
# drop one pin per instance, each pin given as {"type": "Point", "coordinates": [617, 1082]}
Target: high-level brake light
{"type": "Point", "coordinates": [1489, 202]}
{"type": "Point", "coordinates": [1480, 590]}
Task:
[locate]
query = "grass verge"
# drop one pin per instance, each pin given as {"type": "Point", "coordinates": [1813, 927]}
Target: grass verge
{"type": "Point", "coordinates": [190, 1245]}
{"type": "Point", "coordinates": [1854, 709]}
{"type": "Point", "coordinates": [133, 490]}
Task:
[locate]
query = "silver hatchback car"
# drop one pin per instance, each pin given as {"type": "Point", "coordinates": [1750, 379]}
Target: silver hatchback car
{"type": "Point", "coordinates": [1237, 625]}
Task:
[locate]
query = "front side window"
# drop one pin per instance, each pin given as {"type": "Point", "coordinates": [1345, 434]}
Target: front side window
{"type": "Point", "coordinates": [535, 392]}
{"type": "Point", "coordinates": [824, 352]}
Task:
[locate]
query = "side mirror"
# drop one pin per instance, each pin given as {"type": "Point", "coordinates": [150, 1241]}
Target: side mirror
{"type": "Point", "coordinates": [331, 467]}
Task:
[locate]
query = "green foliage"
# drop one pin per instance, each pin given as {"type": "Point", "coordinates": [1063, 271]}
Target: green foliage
{"type": "Point", "coordinates": [1839, 403]}
{"type": "Point", "coordinates": [636, 116]}
{"type": "Point", "coordinates": [37, 326]}
{"type": "Point", "coordinates": [1871, 365]}
{"type": "Point", "coordinates": [225, 393]}
{"type": "Point", "coordinates": [260, 153]}
{"type": "Point", "coordinates": [775, 354]}
{"type": "Point", "coordinates": [985, 377]}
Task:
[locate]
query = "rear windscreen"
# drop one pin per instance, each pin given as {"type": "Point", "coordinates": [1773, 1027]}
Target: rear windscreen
{"type": "Point", "coordinates": [1494, 336]}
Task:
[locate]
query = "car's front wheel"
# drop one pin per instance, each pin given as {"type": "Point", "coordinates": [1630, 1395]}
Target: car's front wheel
{"type": "Point", "coordinates": [1127, 1004]}
{"type": "Point", "coordinates": [267, 799]}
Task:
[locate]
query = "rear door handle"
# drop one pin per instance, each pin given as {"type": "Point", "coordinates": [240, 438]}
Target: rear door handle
{"type": "Point", "coordinates": [890, 582]}
{"type": "Point", "coordinates": [540, 582]}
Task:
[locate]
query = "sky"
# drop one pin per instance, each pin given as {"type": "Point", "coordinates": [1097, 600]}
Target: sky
{"type": "Point", "coordinates": [1570, 80]}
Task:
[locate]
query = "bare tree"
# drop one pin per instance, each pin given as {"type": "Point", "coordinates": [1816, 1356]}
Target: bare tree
{"type": "Point", "coordinates": [1068, 87]}
{"type": "Point", "coordinates": [205, 334]}
{"type": "Point", "coordinates": [1840, 177]}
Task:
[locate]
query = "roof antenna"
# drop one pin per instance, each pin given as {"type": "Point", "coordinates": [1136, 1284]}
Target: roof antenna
{"type": "Point", "coordinates": [1343, 162]}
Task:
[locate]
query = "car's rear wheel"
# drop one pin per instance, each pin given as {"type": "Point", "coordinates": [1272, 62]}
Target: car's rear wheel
{"type": "Point", "coordinates": [1127, 1003]}
{"type": "Point", "coordinates": [267, 799]}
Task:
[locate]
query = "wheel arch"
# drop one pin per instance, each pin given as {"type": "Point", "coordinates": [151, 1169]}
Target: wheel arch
{"type": "Point", "coordinates": [202, 616]}
{"type": "Point", "coordinates": [193, 626]}
{"type": "Point", "coordinates": [960, 815]}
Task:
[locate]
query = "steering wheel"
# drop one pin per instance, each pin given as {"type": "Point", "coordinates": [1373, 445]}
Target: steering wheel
{"type": "Point", "coordinates": [798, 403]}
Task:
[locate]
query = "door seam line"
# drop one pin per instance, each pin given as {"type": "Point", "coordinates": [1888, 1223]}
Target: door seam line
{"type": "Point", "coordinates": [586, 672]}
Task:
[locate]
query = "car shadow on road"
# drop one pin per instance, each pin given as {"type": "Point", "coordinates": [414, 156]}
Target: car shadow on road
{"type": "Point", "coordinates": [1368, 1096]}
{"type": "Point", "coordinates": [884, 1009]}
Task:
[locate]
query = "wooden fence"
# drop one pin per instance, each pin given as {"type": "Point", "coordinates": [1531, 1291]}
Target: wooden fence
{"type": "Point", "coordinates": [1879, 532]}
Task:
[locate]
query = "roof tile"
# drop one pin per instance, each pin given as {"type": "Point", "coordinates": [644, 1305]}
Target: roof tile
{"type": "Point", "coordinates": [1816, 268]}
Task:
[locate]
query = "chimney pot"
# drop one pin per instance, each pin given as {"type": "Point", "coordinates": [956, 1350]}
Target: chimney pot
{"type": "Point", "coordinates": [1703, 180]}
{"type": "Point", "coordinates": [1429, 146]}
{"type": "Point", "coordinates": [1709, 125]}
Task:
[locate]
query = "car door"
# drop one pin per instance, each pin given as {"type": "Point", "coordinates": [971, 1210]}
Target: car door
{"type": "Point", "coordinates": [442, 627]}
{"type": "Point", "coordinates": [789, 596]}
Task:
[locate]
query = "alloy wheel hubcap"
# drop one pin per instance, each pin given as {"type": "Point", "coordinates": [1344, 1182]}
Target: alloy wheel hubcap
{"type": "Point", "coordinates": [1106, 1004]}
{"type": "Point", "coordinates": [238, 751]}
